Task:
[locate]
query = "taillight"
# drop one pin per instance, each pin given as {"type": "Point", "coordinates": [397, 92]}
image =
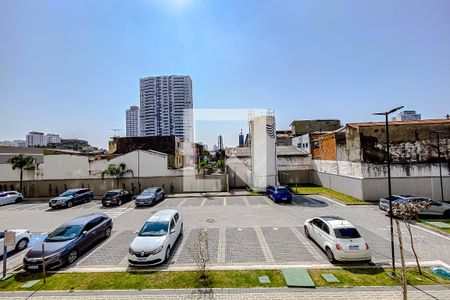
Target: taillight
{"type": "Point", "coordinates": [338, 246]}
{"type": "Point", "coordinates": [367, 246]}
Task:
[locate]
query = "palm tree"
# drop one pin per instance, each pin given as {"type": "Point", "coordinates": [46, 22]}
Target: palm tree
{"type": "Point", "coordinates": [20, 162]}
{"type": "Point", "coordinates": [118, 171]}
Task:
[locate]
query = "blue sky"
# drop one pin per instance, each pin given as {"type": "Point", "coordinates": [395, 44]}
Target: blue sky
{"type": "Point", "coordinates": [73, 67]}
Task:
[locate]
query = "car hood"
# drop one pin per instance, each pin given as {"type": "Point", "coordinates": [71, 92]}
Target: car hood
{"type": "Point", "coordinates": [147, 243]}
{"type": "Point", "coordinates": [49, 249]}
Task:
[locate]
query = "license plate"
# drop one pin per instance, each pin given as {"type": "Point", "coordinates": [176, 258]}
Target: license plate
{"type": "Point", "coordinates": [141, 259]}
{"type": "Point", "coordinates": [33, 267]}
{"type": "Point", "coordinates": [353, 247]}
{"type": "Point", "coordinates": [283, 198]}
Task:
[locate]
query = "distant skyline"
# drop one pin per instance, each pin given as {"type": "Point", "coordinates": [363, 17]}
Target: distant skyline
{"type": "Point", "coordinates": [73, 67]}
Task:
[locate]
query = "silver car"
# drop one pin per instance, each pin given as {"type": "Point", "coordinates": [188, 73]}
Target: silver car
{"type": "Point", "coordinates": [436, 208]}
{"type": "Point", "coordinates": [155, 241]}
{"type": "Point", "coordinates": [150, 196]}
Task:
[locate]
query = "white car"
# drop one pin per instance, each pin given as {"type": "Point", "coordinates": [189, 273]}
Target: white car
{"type": "Point", "coordinates": [155, 241]}
{"type": "Point", "coordinates": [10, 197]}
{"type": "Point", "coordinates": [339, 239]}
{"type": "Point", "coordinates": [22, 238]}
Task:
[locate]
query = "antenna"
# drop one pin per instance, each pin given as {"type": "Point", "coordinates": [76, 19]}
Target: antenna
{"type": "Point", "coordinates": [115, 130]}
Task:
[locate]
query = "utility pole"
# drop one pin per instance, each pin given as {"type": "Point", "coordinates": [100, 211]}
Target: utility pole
{"type": "Point", "coordinates": [440, 166]}
{"type": "Point", "coordinates": [386, 115]}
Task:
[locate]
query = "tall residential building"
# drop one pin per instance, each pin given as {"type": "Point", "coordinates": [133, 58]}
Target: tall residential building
{"type": "Point", "coordinates": [166, 106]}
{"type": "Point", "coordinates": [53, 138]}
{"type": "Point", "coordinates": [35, 138]}
{"type": "Point", "coordinates": [220, 142]}
{"type": "Point", "coordinates": [132, 121]}
{"type": "Point", "coordinates": [407, 115]}
{"type": "Point", "coordinates": [241, 139]}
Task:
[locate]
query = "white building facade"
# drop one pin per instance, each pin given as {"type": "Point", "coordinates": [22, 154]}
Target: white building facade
{"type": "Point", "coordinates": [53, 138]}
{"type": "Point", "coordinates": [35, 138]}
{"type": "Point", "coordinates": [166, 106]}
{"type": "Point", "coordinates": [132, 121]}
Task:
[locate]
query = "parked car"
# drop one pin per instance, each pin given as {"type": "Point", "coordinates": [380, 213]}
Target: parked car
{"type": "Point", "coordinates": [65, 244]}
{"type": "Point", "coordinates": [10, 197]}
{"type": "Point", "coordinates": [23, 237]}
{"type": "Point", "coordinates": [71, 197]}
{"type": "Point", "coordinates": [339, 239]}
{"type": "Point", "coordinates": [154, 242]}
{"type": "Point", "coordinates": [436, 208]}
{"type": "Point", "coordinates": [279, 194]}
{"type": "Point", "coordinates": [150, 196]}
{"type": "Point", "coordinates": [116, 197]}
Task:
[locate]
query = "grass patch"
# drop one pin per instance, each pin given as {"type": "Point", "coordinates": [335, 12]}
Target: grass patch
{"type": "Point", "coordinates": [138, 281]}
{"type": "Point", "coordinates": [254, 193]}
{"type": "Point", "coordinates": [314, 189]}
{"type": "Point", "coordinates": [447, 221]}
{"type": "Point", "coordinates": [374, 277]}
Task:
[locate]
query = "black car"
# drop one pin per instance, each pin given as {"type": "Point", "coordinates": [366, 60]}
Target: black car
{"type": "Point", "coordinates": [71, 197]}
{"type": "Point", "coordinates": [64, 245]}
{"type": "Point", "coordinates": [116, 197]}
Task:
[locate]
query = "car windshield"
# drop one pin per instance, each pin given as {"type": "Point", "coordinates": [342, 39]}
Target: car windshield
{"type": "Point", "coordinates": [64, 233]}
{"type": "Point", "coordinates": [154, 229]}
{"type": "Point", "coordinates": [67, 193]}
{"type": "Point", "coordinates": [110, 194]}
{"type": "Point", "coordinates": [148, 192]}
{"type": "Point", "coordinates": [347, 233]}
{"type": "Point", "coordinates": [282, 190]}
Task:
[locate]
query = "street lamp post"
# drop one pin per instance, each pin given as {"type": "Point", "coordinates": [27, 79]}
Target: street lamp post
{"type": "Point", "coordinates": [386, 115]}
{"type": "Point", "coordinates": [138, 166]}
{"type": "Point", "coordinates": [440, 167]}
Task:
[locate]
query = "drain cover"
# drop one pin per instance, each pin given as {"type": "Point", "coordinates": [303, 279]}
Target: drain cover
{"type": "Point", "coordinates": [210, 220]}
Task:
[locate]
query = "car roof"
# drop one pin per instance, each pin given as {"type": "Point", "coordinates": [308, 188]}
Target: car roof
{"type": "Point", "coordinates": [152, 188]}
{"type": "Point", "coordinates": [336, 222]}
{"type": "Point", "coordinates": [115, 191]}
{"type": "Point", "coordinates": [84, 219]}
{"type": "Point", "coordinates": [280, 187]}
{"type": "Point", "coordinates": [76, 189]}
{"type": "Point", "coordinates": [162, 215]}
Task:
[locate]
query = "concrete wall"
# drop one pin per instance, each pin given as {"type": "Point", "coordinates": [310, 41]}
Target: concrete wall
{"type": "Point", "coordinates": [51, 188]}
{"type": "Point", "coordinates": [289, 177]}
{"type": "Point", "coordinates": [344, 184]}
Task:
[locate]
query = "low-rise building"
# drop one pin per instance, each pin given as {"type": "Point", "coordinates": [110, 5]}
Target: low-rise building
{"type": "Point", "coordinates": [35, 138]}
{"type": "Point", "coordinates": [300, 127]}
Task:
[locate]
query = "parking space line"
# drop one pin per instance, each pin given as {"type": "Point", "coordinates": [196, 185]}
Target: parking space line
{"type": "Point", "coordinates": [224, 201]}
{"type": "Point", "coordinates": [221, 252]}
{"type": "Point", "coordinates": [331, 200]}
{"type": "Point", "coordinates": [203, 202]}
{"type": "Point", "coordinates": [246, 201]}
{"type": "Point", "coordinates": [181, 245]}
{"type": "Point", "coordinates": [264, 246]}
{"type": "Point", "coordinates": [306, 243]}
{"type": "Point", "coordinates": [181, 203]}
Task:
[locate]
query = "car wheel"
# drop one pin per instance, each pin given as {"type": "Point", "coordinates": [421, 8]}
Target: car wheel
{"type": "Point", "coordinates": [108, 232]}
{"type": "Point", "coordinates": [18, 200]}
{"type": "Point", "coordinates": [447, 214]}
{"type": "Point", "coordinates": [119, 202]}
{"type": "Point", "coordinates": [72, 257]}
{"type": "Point", "coordinates": [307, 232]}
{"type": "Point", "coordinates": [69, 204]}
{"type": "Point", "coordinates": [330, 255]}
{"type": "Point", "coordinates": [167, 257]}
{"type": "Point", "coordinates": [90, 198]}
{"type": "Point", "coordinates": [22, 244]}
{"type": "Point", "coordinates": [163, 196]}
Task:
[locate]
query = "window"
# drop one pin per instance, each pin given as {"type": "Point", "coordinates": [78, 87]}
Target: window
{"type": "Point", "coordinates": [318, 223]}
{"type": "Point", "coordinates": [325, 228]}
{"type": "Point", "coordinates": [347, 233]}
{"type": "Point", "coordinates": [2, 235]}
{"type": "Point", "coordinates": [172, 224]}
{"type": "Point", "coordinates": [176, 217]}
{"type": "Point", "coordinates": [154, 229]}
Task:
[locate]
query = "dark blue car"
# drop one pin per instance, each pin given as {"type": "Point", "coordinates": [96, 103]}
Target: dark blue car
{"type": "Point", "coordinates": [279, 194]}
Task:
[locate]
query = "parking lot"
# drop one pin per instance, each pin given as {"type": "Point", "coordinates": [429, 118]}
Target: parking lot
{"type": "Point", "coordinates": [243, 232]}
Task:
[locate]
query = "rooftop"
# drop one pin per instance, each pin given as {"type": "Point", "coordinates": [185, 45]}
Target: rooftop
{"type": "Point", "coordinates": [281, 151]}
{"type": "Point", "coordinates": [393, 123]}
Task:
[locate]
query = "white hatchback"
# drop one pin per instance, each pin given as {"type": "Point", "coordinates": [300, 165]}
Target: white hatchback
{"type": "Point", "coordinates": [155, 241]}
{"type": "Point", "coordinates": [339, 239]}
{"type": "Point", "coordinates": [10, 197]}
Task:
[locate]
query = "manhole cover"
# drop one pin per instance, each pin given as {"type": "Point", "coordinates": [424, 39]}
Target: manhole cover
{"type": "Point", "coordinates": [210, 220]}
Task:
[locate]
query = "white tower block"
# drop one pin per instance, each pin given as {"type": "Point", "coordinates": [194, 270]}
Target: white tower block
{"type": "Point", "coordinates": [264, 159]}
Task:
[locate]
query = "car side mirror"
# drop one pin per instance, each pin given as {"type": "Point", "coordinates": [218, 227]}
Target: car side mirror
{"type": "Point", "coordinates": [172, 231]}
{"type": "Point", "coordinates": [85, 232]}
{"type": "Point", "coordinates": [136, 232]}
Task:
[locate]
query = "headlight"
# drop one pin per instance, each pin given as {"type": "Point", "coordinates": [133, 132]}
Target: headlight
{"type": "Point", "coordinates": [130, 250]}
{"type": "Point", "coordinates": [157, 250]}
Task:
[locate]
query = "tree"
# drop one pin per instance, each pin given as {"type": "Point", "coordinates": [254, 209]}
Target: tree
{"type": "Point", "coordinates": [203, 165]}
{"type": "Point", "coordinates": [403, 282]}
{"type": "Point", "coordinates": [199, 250]}
{"type": "Point", "coordinates": [118, 171]}
{"type": "Point", "coordinates": [20, 162]}
{"type": "Point", "coordinates": [220, 164]}
{"type": "Point", "coordinates": [409, 212]}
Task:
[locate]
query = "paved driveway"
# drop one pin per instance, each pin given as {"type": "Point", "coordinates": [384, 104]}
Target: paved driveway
{"type": "Point", "coordinates": [243, 232]}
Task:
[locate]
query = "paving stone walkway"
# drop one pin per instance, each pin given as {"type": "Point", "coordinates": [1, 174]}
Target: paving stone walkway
{"type": "Point", "coordinates": [367, 293]}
